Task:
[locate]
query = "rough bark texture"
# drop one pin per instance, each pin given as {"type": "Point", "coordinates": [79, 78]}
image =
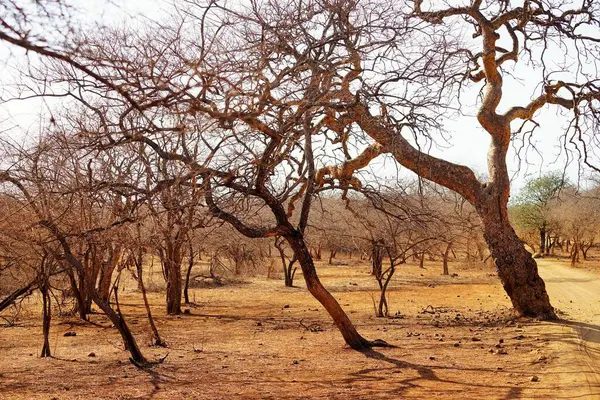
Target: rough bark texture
{"type": "Point", "coordinates": [172, 266]}
{"type": "Point", "coordinates": [516, 267]}
{"type": "Point", "coordinates": [106, 271]}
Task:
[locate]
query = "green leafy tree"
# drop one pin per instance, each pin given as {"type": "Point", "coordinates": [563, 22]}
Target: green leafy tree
{"type": "Point", "coordinates": [533, 205]}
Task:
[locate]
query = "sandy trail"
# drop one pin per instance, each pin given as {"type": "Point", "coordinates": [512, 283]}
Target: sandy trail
{"type": "Point", "coordinates": [576, 293]}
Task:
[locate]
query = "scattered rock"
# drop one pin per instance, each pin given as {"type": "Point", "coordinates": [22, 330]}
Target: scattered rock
{"type": "Point", "coordinates": [432, 358]}
{"type": "Point", "coordinates": [295, 362]}
{"type": "Point", "coordinates": [92, 354]}
{"type": "Point", "coordinates": [456, 345]}
{"type": "Point", "coordinates": [259, 323]}
{"type": "Point", "coordinates": [534, 378]}
{"type": "Point", "coordinates": [475, 339]}
{"type": "Point", "coordinates": [286, 306]}
{"type": "Point", "coordinates": [70, 333]}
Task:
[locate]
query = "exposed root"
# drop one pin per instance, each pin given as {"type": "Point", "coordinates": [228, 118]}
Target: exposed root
{"type": "Point", "coordinates": [381, 343]}
{"type": "Point", "coordinates": [365, 345]}
{"type": "Point", "coordinates": [145, 365]}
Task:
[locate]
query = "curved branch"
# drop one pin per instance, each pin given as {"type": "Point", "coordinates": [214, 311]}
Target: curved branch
{"type": "Point", "coordinates": [458, 178]}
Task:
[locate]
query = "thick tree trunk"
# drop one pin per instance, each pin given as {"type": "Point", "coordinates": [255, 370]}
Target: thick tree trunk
{"type": "Point", "coordinates": [316, 288]}
{"type": "Point", "coordinates": [172, 267]}
{"type": "Point", "coordinates": [515, 265]}
{"type": "Point", "coordinates": [106, 271]}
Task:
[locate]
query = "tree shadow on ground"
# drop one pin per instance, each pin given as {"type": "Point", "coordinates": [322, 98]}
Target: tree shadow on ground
{"type": "Point", "coordinates": [587, 332]}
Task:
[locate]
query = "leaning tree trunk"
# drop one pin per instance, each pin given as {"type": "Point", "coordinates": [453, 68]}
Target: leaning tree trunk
{"type": "Point", "coordinates": [316, 288]}
{"type": "Point", "coordinates": [117, 320]}
{"type": "Point", "coordinates": [138, 261]}
{"type": "Point", "coordinates": [516, 267]}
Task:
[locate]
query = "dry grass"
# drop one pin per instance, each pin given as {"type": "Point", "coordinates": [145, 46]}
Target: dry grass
{"type": "Point", "coordinates": [250, 340]}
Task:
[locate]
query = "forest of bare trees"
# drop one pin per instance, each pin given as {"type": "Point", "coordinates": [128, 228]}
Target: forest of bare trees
{"type": "Point", "coordinates": [236, 139]}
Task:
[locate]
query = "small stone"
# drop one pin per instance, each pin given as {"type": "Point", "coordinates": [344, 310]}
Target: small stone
{"type": "Point", "coordinates": [259, 323]}
{"type": "Point", "coordinates": [500, 340]}
{"type": "Point", "coordinates": [92, 354]}
{"type": "Point", "coordinates": [286, 306]}
{"type": "Point", "coordinates": [295, 362]}
{"type": "Point", "coordinates": [456, 344]}
{"type": "Point", "coordinates": [475, 339]}
{"type": "Point", "coordinates": [432, 358]}
{"type": "Point", "coordinates": [534, 378]}
{"type": "Point", "coordinates": [70, 333]}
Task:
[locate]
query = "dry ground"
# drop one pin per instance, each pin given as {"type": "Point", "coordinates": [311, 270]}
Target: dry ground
{"type": "Point", "coordinates": [260, 340]}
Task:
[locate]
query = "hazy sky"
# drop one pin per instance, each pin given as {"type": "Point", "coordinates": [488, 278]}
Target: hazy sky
{"type": "Point", "coordinates": [468, 144]}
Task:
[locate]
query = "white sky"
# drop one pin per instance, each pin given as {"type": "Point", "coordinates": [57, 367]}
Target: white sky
{"type": "Point", "coordinates": [469, 141]}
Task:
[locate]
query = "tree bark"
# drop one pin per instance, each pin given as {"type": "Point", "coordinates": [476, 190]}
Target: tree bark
{"type": "Point", "coordinates": [445, 255]}
{"type": "Point", "coordinates": [516, 267]}
{"type": "Point", "coordinates": [106, 271]}
{"type": "Point", "coordinates": [14, 296]}
{"type": "Point", "coordinates": [172, 267]}
{"type": "Point", "coordinates": [316, 288]}
{"type": "Point", "coordinates": [543, 240]}
{"type": "Point", "coordinates": [47, 317]}
{"type": "Point", "coordinates": [377, 258]}
{"type": "Point", "coordinates": [138, 261]}
{"type": "Point", "coordinates": [332, 255]}
{"type": "Point", "coordinates": [186, 296]}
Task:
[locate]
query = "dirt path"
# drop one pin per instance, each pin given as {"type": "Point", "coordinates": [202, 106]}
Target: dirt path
{"type": "Point", "coordinates": [576, 293]}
